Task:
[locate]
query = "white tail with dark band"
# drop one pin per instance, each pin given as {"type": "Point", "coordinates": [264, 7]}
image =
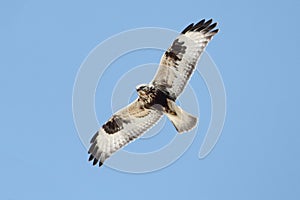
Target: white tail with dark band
{"type": "Point", "coordinates": [182, 120]}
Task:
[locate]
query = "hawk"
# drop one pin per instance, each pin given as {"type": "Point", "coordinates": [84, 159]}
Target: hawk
{"type": "Point", "coordinates": [157, 98]}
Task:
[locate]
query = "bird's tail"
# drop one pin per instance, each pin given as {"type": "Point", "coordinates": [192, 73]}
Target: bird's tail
{"type": "Point", "coordinates": [182, 120]}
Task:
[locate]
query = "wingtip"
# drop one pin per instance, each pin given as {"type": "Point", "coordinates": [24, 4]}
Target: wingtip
{"type": "Point", "coordinates": [208, 22]}
{"type": "Point", "coordinates": [202, 25]}
{"type": "Point", "coordinates": [187, 28]}
{"type": "Point", "coordinates": [91, 157]}
{"type": "Point", "coordinates": [198, 25]}
{"type": "Point", "coordinates": [216, 30]}
{"type": "Point", "coordinates": [95, 161]}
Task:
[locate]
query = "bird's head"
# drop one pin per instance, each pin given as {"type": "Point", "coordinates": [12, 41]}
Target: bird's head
{"type": "Point", "coordinates": [144, 89]}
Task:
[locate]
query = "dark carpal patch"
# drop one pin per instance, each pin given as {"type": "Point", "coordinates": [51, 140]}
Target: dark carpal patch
{"type": "Point", "coordinates": [115, 124]}
{"type": "Point", "coordinates": [176, 51]}
{"type": "Point", "coordinates": [170, 54]}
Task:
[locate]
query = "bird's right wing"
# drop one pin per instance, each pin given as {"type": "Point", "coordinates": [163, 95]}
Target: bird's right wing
{"type": "Point", "coordinates": [123, 127]}
{"type": "Point", "coordinates": [179, 61]}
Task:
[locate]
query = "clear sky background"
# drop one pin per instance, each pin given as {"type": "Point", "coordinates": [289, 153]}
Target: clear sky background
{"type": "Point", "coordinates": [42, 46]}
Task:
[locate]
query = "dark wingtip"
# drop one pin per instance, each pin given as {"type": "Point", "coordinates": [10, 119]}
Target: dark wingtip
{"type": "Point", "coordinates": [215, 31]}
{"type": "Point", "coordinates": [95, 161]}
{"type": "Point", "coordinates": [100, 164]}
{"type": "Point", "coordinates": [212, 26]}
{"type": "Point", "coordinates": [198, 25]}
{"type": "Point", "coordinates": [209, 21]}
{"type": "Point", "coordinates": [91, 157]}
{"type": "Point", "coordinates": [209, 27]}
{"type": "Point", "coordinates": [187, 28]}
{"type": "Point", "coordinates": [202, 25]}
{"type": "Point", "coordinates": [200, 22]}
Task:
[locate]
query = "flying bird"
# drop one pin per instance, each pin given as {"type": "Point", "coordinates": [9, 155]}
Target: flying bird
{"type": "Point", "coordinates": [158, 97]}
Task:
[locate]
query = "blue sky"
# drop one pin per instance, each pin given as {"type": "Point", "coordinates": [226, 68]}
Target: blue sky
{"type": "Point", "coordinates": [42, 47]}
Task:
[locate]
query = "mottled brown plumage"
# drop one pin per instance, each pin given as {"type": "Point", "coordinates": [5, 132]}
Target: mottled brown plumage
{"type": "Point", "coordinates": [176, 66]}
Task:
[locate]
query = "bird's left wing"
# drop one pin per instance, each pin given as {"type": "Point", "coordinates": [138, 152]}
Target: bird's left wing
{"type": "Point", "coordinates": [123, 127]}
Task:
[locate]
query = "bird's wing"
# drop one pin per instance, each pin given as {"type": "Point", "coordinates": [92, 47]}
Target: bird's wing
{"type": "Point", "coordinates": [123, 127]}
{"type": "Point", "coordinates": [179, 61]}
